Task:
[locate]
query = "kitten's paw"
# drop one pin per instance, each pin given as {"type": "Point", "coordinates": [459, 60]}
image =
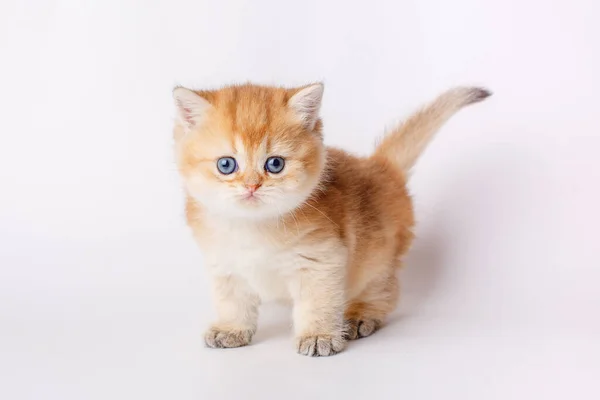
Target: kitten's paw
{"type": "Point", "coordinates": [217, 338]}
{"type": "Point", "coordinates": [320, 345]}
{"type": "Point", "coordinates": [359, 328]}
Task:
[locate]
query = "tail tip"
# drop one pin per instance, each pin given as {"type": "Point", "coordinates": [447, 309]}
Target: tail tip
{"type": "Point", "coordinates": [477, 94]}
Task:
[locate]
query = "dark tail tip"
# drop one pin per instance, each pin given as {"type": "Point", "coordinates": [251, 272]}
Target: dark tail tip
{"type": "Point", "coordinates": [478, 94]}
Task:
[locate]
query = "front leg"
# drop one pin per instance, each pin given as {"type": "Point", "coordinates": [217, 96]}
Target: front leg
{"type": "Point", "coordinates": [237, 310]}
{"type": "Point", "coordinates": [318, 292]}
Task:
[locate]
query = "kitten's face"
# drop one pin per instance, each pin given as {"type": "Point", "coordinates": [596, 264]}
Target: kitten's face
{"type": "Point", "coordinates": [248, 151]}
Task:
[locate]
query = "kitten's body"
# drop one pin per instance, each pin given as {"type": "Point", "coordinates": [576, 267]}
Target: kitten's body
{"type": "Point", "coordinates": [331, 243]}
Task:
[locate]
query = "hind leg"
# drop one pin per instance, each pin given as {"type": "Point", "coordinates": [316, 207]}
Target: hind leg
{"type": "Point", "coordinates": [365, 313]}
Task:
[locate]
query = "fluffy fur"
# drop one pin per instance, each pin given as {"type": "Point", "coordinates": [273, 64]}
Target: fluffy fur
{"type": "Point", "coordinates": [327, 233]}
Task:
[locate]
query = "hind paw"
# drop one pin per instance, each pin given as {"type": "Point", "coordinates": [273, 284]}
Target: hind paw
{"type": "Point", "coordinates": [359, 328]}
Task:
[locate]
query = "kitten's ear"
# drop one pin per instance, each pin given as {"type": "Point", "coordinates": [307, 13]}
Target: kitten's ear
{"type": "Point", "coordinates": [191, 107]}
{"type": "Point", "coordinates": [306, 104]}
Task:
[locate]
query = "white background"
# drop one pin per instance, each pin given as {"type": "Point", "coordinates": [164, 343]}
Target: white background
{"type": "Point", "coordinates": [102, 290]}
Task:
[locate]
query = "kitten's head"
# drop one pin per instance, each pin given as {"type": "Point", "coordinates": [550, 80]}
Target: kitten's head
{"type": "Point", "coordinates": [249, 151]}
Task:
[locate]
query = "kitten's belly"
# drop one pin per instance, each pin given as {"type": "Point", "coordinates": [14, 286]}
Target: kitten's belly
{"type": "Point", "coordinates": [263, 267]}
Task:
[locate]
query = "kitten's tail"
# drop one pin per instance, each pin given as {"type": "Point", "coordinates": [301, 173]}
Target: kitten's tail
{"type": "Point", "coordinates": [403, 145]}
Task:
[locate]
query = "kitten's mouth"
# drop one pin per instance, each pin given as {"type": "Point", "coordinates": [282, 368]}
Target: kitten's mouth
{"type": "Point", "coordinates": [251, 198]}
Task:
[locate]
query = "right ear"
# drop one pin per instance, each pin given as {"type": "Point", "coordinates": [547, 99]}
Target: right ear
{"type": "Point", "coordinates": [191, 107]}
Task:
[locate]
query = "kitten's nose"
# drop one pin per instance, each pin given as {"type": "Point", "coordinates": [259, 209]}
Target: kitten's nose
{"type": "Point", "coordinates": [253, 187]}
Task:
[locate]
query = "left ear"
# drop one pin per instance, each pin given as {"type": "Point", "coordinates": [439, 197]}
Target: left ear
{"type": "Point", "coordinates": [306, 104]}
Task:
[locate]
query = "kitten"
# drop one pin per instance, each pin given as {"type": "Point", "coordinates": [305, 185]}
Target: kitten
{"type": "Point", "coordinates": [279, 216]}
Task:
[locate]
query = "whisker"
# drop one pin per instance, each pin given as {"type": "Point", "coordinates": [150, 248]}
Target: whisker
{"type": "Point", "coordinates": [322, 213]}
{"type": "Point", "coordinates": [303, 213]}
{"type": "Point", "coordinates": [282, 219]}
{"type": "Point", "coordinates": [296, 221]}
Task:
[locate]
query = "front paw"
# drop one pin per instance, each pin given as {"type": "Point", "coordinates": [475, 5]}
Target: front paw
{"type": "Point", "coordinates": [320, 345]}
{"type": "Point", "coordinates": [218, 338]}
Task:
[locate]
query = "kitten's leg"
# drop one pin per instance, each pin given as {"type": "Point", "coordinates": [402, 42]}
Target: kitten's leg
{"type": "Point", "coordinates": [318, 292]}
{"type": "Point", "coordinates": [237, 309]}
{"type": "Point", "coordinates": [365, 313]}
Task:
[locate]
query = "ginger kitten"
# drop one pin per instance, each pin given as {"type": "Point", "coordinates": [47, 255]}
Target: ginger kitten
{"type": "Point", "coordinates": [279, 216]}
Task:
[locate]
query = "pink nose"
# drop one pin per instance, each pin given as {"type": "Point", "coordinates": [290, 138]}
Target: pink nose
{"type": "Point", "coordinates": [253, 188]}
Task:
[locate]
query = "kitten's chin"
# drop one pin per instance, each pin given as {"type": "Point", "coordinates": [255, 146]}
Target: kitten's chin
{"type": "Point", "coordinates": [251, 213]}
{"type": "Point", "coordinates": [253, 209]}
{"type": "Point", "coordinates": [259, 209]}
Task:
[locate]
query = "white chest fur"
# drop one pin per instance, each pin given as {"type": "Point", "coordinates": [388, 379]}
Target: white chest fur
{"type": "Point", "coordinates": [263, 258]}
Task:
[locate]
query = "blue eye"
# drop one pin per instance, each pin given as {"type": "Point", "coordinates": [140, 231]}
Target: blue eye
{"type": "Point", "coordinates": [274, 165]}
{"type": "Point", "coordinates": [226, 165]}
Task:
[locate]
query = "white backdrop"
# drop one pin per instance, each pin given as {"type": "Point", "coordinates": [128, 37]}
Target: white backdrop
{"type": "Point", "coordinates": [102, 291]}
